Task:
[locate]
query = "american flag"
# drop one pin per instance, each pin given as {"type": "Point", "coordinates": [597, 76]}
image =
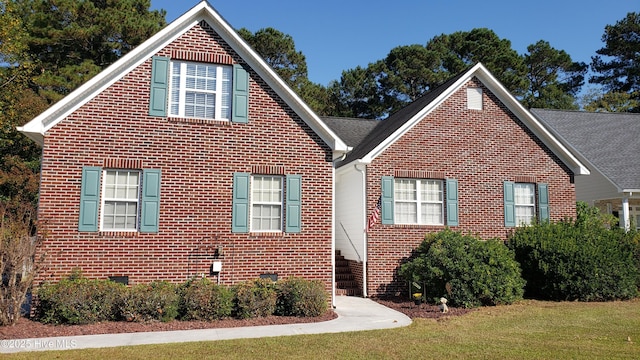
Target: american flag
{"type": "Point", "coordinates": [375, 214]}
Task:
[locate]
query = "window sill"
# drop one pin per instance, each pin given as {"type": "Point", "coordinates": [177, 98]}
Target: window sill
{"type": "Point", "coordinates": [181, 120]}
{"type": "Point", "coordinates": [262, 235]}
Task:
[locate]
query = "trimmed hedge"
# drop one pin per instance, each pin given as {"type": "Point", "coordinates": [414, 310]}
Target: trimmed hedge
{"type": "Point", "coordinates": [77, 300]}
{"type": "Point", "coordinates": [580, 260]}
{"type": "Point", "coordinates": [256, 298]}
{"type": "Point", "coordinates": [158, 300]}
{"type": "Point", "coordinates": [300, 297]}
{"type": "Point", "coordinates": [205, 300]}
{"type": "Point", "coordinates": [467, 271]}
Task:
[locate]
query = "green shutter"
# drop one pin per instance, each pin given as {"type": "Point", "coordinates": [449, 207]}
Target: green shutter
{"type": "Point", "coordinates": [386, 217]}
{"type": "Point", "coordinates": [89, 198]}
{"type": "Point", "coordinates": [509, 205]}
{"type": "Point", "coordinates": [240, 104]}
{"type": "Point", "coordinates": [293, 204]}
{"type": "Point", "coordinates": [240, 206]}
{"type": "Point", "coordinates": [159, 86]}
{"type": "Point", "coordinates": [452, 202]}
{"type": "Point", "coordinates": [150, 209]}
{"type": "Point", "coordinates": [543, 202]}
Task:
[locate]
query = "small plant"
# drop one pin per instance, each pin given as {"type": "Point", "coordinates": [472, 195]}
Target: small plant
{"type": "Point", "coordinates": [255, 298]}
{"type": "Point", "coordinates": [300, 297]}
{"type": "Point", "coordinates": [204, 300]}
{"type": "Point", "coordinates": [78, 300]}
{"type": "Point", "coordinates": [154, 301]}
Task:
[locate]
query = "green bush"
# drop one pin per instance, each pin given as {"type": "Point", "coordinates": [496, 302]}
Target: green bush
{"type": "Point", "coordinates": [577, 261]}
{"type": "Point", "coordinates": [255, 298]}
{"type": "Point", "coordinates": [204, 300]}
{"type": "Point", "coordinates": [154, 301]}
{"type": "Point", "coordinates": [300, 297]}
{"type": "Point", "coordinates": [467, 271]}
{"type": "Point", "coordinates": [77, 300]}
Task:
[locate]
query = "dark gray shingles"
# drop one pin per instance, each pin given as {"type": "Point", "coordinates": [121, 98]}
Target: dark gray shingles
{"type": "Point", "coordinates": [351, 130]}
{"type": "Point", "coordinates": [386, 128]}
{"type": "Point", "coordinates": [609, 141]}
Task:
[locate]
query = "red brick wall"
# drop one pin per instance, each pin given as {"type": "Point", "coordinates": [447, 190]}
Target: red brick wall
{"type": "Point", "coordinates": [481, 149]}
{"type": "Point", "coordinates": [197, 160]}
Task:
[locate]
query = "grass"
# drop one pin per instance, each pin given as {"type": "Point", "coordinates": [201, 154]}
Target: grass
{"type": "Point", "coordinates": [527, 330]}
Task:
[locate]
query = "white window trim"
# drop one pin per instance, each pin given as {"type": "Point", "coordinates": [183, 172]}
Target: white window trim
{"type": "Point", "coordinates": [418, 201]}
{"type": "Point", "coordinates": [218, 92]}
{"type": "Point", "coordinates": [517, 205]}
{"type": "Point", "coordinates": [104, 200]}
{"type": "Point", "coordinates": [252, 202]}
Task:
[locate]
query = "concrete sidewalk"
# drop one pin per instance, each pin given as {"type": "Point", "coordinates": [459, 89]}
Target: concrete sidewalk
{"type": "Point", "coordinates": [354, 314]}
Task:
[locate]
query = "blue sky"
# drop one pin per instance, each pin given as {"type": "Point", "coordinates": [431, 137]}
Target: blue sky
{"type": "Point", "coordinates": [339, 35]}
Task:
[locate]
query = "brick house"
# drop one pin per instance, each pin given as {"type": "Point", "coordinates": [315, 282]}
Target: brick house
{"type": "Point", "coordinates": [187, 152]}
{"type": "Point", "coordinates": [190, 157]}
{"type": "Point", "coordinates": [466, 156]}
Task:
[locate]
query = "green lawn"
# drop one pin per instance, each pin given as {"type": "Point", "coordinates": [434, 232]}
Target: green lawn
{"type": "Point", "coordinates": [528, 330]}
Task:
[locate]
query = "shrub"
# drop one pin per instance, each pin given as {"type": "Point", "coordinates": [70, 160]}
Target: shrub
{"type": "Point", "coordinates": [300, 297]}
{"type": "Point", "coordinates": [575, 261]}
{"type": "Point", "coordinates": [467, 271]}
{"type": "Point", "coordinates": [154, 301]}
{"type": "Point", "coordinates": [204, 300]}
{"type": "Point", "coordinates": [78, 300]}
{"type": "Point", "coordinates": [255, 298]}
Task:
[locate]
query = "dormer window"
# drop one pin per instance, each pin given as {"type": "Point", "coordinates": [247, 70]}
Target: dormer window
{"type": "Point", "coordinates": [474, 98]}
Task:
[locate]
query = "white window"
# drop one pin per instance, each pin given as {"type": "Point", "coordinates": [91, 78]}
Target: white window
{"type": "Point", "coordinates": [200, 90]}
{"type": "Point", "coordinates": [418, 201]}
{"type": "Point", "coordinates": [525, 204]}
{"type": "Point", "coordinates": [266, 203]}
{"type": "Point", "coordinates": [121, 199]}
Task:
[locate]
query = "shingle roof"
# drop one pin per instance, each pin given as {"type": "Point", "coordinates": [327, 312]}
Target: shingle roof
{"type": "Point", "coordinates": [351, 130]}
{"type": "Point", "coordinates": [609, 141]}
{"type": "Point", "coordinates": [386, 128]}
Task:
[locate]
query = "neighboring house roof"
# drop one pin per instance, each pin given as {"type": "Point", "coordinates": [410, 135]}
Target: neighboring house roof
{"type": "Point", "coordinates": [351, 130]}
{"type": "Point", "coordinates": [36, 128]}
{"type": "Point", "coordinates": [395, 126]}
{"type": "Point", "coordinates": [609, 142]}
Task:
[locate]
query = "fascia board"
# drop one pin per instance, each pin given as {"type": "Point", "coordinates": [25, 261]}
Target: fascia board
{"type": "Point", "coordinates": [416, 118]}
{"type": "Point", "coordinates": [255, 61]}
{"type": "Point", "coordinates": [36, 128]}
{"type": "Point", "coordinates": [531, 122]}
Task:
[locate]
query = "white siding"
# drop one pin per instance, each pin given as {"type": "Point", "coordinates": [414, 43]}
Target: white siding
{"type": "Point", "coordinates": [594, 187]}
{"type": "Point", "coordinates": [350, 213]}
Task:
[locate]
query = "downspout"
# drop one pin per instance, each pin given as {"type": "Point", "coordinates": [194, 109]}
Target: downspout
{"type": "Point", "coordinates": [365, 255]}
{"type": "Point", "coordinates": [333, 237]}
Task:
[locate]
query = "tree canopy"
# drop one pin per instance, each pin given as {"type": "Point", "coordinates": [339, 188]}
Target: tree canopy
{"type": "Point", "coordinates": [47, 49]}
{"type": "Point", "coordinates": [617, 65]}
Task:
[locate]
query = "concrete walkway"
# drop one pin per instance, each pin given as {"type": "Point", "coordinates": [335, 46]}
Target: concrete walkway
{"type": "Point", "coordinates": [354, 314]}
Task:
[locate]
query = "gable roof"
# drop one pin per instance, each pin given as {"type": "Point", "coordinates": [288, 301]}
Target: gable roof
{"type": "Point", "coordinates": [395, 126]}
{"type": "Point", "coordinates": [607, 141]}
{"type": "Point", "coordinates": [36, 128]}
{"type": "Point", "coordinates": [351, 130]}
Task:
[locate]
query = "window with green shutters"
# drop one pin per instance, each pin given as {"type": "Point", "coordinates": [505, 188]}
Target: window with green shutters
{"type": "Point", "coordinates": [419, 201]}
{"type": "Point", "coordinates": [266, 203]}
{"type": "Point", "coordinates": [199, 90]}
{"type": "Point", "coordinates": [119, 200]}
{"type": "Point", "coordinates": [522, 206]}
